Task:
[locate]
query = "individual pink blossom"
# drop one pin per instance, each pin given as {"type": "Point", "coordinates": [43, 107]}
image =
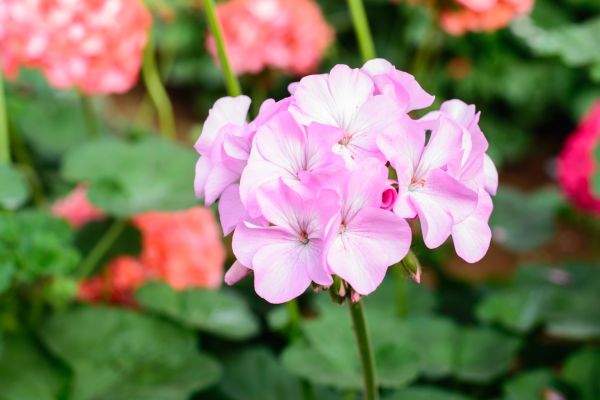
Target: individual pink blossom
{"type": "Point", "coordinates": [484, 15]}
{"type": "Point", "coordinates": [364, 240]}
{"type": "Point", "coordinates": [345, 99]}
{"type": "Point", "coordinates": [288, 255]}
{"type": "Point", "coordinates": [302, 158]}
{"type": "Point", "coordinates": [76, 43]}
{"type": "Point", "coordinates": [182, 248]}
{"type": "Point", "coordinates": [425, 187]}
{"type": "Point", "coordinates": [287, 35]}
{"type": "Point", "coordinates": [577, 162]}
{"type": "Point", "coordinates": [76, 208]}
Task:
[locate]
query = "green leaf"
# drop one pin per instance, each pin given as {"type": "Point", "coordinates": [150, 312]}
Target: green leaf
{"type": "Point", "coordinates": [517, 309]}
{"type": "Point", "coordinates": [27, 374]}
{"type": "Point", "coordinates": [575, 44]}
{"type": "Point", "coordinates": [33, 245]}
{"type": "Point", "coordinates": [255, 374]}
{"type": "Point", "coordinates": [152, 174]}
{"type": "Point", "coordinates": [221, 313]}
{"type": "Point", "coordinates": [528, 386]}
{"type": "Point", "coordinates": [122, 355]}
{"type": "Point", "coordinates": [483, 354]}
{"type": "Point", "coordinates": [582, 370]}
{"type": "Point", "coordinates": [424, 393]}
{"type": "Point", "coordinates": [14, 190]}
{"type": "Point", "coordinates": [523, 222]}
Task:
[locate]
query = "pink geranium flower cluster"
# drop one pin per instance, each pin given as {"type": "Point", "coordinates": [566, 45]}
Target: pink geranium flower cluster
{"type": "Point", "coordinates": [307, 190]}
{"type": "Point", "coordinates": [289, 35]}
{"type": "Point", "coordinates": [181, 248]}
{"type": "Point", "coordinates": [577, 163]}
{"type": "Point", "coordinates": [95, 46]}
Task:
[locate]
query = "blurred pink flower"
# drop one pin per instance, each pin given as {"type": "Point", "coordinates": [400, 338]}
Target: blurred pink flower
{"type": "Point", "coordinates": [93, 45]}
{"type": "Point", "coordinates": [482, 15]}
{"type": "Point", "coordinates": [290, 35]}
{"type": "Point", "coordinates": [182, 248]}
{"type": "Point", "coordinates": [576, 163]}
{"type": "Point", "coordinates": [76, 208]}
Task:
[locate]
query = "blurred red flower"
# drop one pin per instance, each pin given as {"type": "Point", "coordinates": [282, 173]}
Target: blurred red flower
{"type": "Point", "coordinates": [76, 208]}
{"type": "Point", "coordinates": [289, 35]}
{"type": "Point", "coordinates": [576, 163]}
{"type": "Point", "coordinates": [93, 45]}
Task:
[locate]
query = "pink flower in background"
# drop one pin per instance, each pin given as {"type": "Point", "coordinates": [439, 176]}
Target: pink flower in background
{"type": "Point", "coordinates": [576, 162]}
{"type": "Point", "coordinates": [95, 46]}
{"type": "Point", "coordinates": [289, 35]}
{"type": "Point", "coordinates": [484, 15]}
{"type": "Point", "coordinates": [182, 248]}
{"type": "Point", "coordinates": [76, 208]}
{"type": "Point", "coordinates": [314, 198]}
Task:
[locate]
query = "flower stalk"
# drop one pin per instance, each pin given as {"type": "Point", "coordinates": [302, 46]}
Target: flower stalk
{"type": "Point", "coordinates": [231, 80]}
{"type": "Point", "coordinates": [101, 248]}
{"type": "Point", "coordinates": [361, 27]}
{"type": "Point", "coordinates": [365, 350]}
{"type": "Point", "coordinates": [157, 91]}
{"type": "Point", "coordinates": [4, 138]}
{"type": "Point", "coordinates": [89, 116]}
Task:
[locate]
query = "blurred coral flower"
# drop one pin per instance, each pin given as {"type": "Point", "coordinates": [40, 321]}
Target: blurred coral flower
{"type": "Point", "coordinates": [95, 46]}
{"type": "Point", "coordinates": [76, 208]}
{"type": "Point", "coordinates": [287, 35]}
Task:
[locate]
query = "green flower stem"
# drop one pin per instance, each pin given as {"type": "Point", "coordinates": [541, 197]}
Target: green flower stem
{"type": "Point", "coordinates": [101, 248]}
{"type": "Point", "coordinates": [4, 138]}
{"type": "Point", "coordinates": [364, 348]}
{"type": "Point", "coordinates": [294, 315]}
{"type": "Point", "coordinates": [231, 80]}
{"type": "Point", "coordinates": [89, 116]}
{"type": "Point", "coordinates": [157, 91]}
{"type": "Point", "coordinates": [361, 26]}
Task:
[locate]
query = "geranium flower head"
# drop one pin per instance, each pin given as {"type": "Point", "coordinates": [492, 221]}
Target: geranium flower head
{"type": "Point", "coordinates": [312, 191]}
{"type": "Point", "coordinates": [287, 35]}
{"type": "Point", "coordinates": [577, 162]}
{"type": "Point", "coordinates": [95, 46]}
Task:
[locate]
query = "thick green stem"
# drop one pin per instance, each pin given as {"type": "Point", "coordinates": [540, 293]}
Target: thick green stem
{"type": "Point", "coordinates": [157, 91]}
{"type": "Point", "coordinates": [231, 80]}
{"type": "Point", "coordinates": [4, 138]}
{"type": "Point", "coordinates": [101, 248]}
{"type": "Point", "coordinates": [89, 116]}
{"type": "Point", "coordinates": [294, 315]}
{"type": "Point", "coordinates": [401, 294]}
{"type": "Point", "coordinates": [361, 26]}
{"type": "Point", "coordinates": [364, 348]}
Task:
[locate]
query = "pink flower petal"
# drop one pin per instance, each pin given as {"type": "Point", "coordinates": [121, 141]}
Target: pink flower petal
{"type": "Point", "coordinates": [472, 236]}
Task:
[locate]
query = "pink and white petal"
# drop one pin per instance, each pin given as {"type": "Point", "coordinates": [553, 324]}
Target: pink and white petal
{"type": "Point", "coordinates": [320, 140]}
{"type": "Point", "coordinates": [203, 167]}
{"type": "Point", "coordinates": [374, 240]}
{"type": "Point", "coordinates": [282, 142]}
{"type": "Point", "coordinates": [377, 114]}
{"type": "Point", "coordinates": [491, 175]}
{"type": "Point", "coordinates": [226, 110]}
{"type": "Point", "coordinates": [364, 187]}
{"type": "Point", "coordinates": [313, 101]}
{"type": "Point", "coordinates": [472, 236]}
{"type": "Point", "coordinates": [217, 181]}
{"type": "Point", "coordinates": [281, 270]}
{"type": "Point", "coordinates": [461, 112]}
{"type": "Point", "coordinates": [418, 97]}
{"type": "Point", "coordinates": [450, 194]}
{"type": "Point", "coordinates": [231, 209]}
{"type": "Point", "coordinates": [377, 66]}
{"type": "Point", "coordinates": [236, 273]}
{"type": "Point", "coordinates": [436, 222]}
{"type": "Point", "coordinates": [350, 89]}
{"type": "Point", "coordinates": [249, 238]}
{"type": "Point", "coordinates": [443, 146]}
{"type": "Point", "coordinates": [282, 206]}
{"type": "Point", "coordinates": [404, 146]}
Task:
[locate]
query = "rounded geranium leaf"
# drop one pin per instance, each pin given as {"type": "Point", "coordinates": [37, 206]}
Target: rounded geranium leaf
{"type": "Point", "coordinates": [14, 190]}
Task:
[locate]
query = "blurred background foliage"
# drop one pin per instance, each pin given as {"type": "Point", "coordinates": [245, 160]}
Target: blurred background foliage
{"type": "Point", "coordinates": [523, 324]}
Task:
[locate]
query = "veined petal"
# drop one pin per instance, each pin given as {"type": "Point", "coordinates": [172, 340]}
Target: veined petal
{"type": "Point", "coordinates": [203, 167]}
{"type": "Point", "coordinates": [361, 253]}
{"type": "Point", "coordinates": [282, 142]}
{"type": "Point", "coordinates": [281, 270]}
{"type": "Point", "coordinates": [226, 110]}
{"type": "Point", "coordinates": [364, 187]}
{"type": "Point", "coordinates": [451, 194]}
{"type": "Point", "coordinates": [231, 209]}
{"type": "Point", "coordinates": [249, 238]}
{"type": "Point", "coordinates": [444, 145]}
{"type": "Point", "coordinates": [219, 178]}
{"type": "Point", "coordinates": [491, 175]}
{"type": "Point", "coordinates": [472, 236]}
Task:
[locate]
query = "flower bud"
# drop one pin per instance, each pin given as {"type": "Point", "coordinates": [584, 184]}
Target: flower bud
{"type": "Point", "coordinates": [236, 273]}
{"type": "Point", "coordinates": [412, 266]}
